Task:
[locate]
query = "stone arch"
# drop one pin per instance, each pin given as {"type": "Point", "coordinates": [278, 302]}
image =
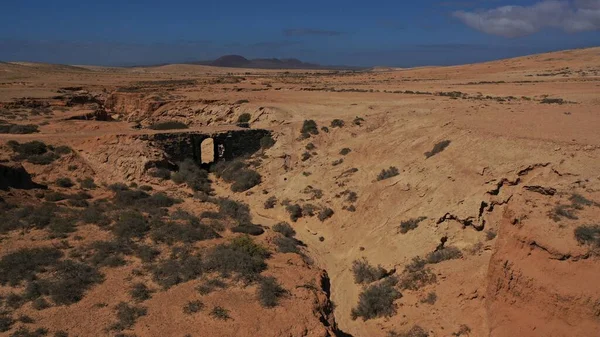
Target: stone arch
{"type": "Point", "coordinates": [208, 154]}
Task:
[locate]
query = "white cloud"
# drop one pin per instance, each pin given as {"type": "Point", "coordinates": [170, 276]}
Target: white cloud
{"type": "Point", "coordinates": [515, 21]}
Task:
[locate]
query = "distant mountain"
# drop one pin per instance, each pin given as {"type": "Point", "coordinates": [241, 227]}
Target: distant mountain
{"type": "Point", "coordinates": [237, 61]}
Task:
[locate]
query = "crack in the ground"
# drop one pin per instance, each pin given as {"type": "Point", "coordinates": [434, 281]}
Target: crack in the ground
{"type": "Point", "coordinates": [555, 255]}
{"type": "Point", "coordinates": [530, 168]}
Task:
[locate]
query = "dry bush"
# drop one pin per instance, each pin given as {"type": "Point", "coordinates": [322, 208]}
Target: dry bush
{"type": "Point", "coordinates": [410, 224]}
{"type": "Point", "coordinates": [193, 307]}
{"type": "Point", "coordinates": [437, 148]}
{"type": "Point", "coordinates": [588, 235]}
{"type": "Point", "coordinates": [220, 313]}
{"type": "Point", "coordinates": [386, 174]}
{"type": "Point", "coordinates": [364, 273]}
{"type": "Point", "coordinates": [377, 300]}
{"type": "Point", "coordinates": [170, 125]}
{"type": "Point", "coordinates": [269, 292]}
{"type": "Point", "coordinates": [242, 258]}
{"type": "Point", "coordinates": [295, 212]}
{"type": "Point", "coordinates": [325, 214]}
{"type": "Point", "coordinates": [444, 254]}
{"type": "Point", "coordinates": [270, 202]}
{"type": "Point", "coordinates": [337, 123]}
{"type": "Point", "coordinates": [127, 315]}
{"type": "Point", "coordinates": [284, 229]}
{"type": "Point", "coordinates": [181, 267]}
{"type": "Point", "coordinates": [415, 331]}
{"type": "Point", "coordinates": [140, 292]}
{"type": "Point", "coordinates": [286, 245]}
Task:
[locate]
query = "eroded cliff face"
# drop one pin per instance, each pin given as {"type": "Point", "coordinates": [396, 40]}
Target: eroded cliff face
{"type": "Point", "coordinates": [541, 281]}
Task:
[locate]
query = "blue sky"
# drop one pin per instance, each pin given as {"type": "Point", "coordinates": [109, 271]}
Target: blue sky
{"type": "Point", "coordinates": [364, 33]}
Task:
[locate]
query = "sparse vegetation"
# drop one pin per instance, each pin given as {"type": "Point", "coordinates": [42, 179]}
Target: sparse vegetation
{"type": "Point", "coordinates": [64, 182]}
{"type": "Point", "coordinates": [444, 254]}
{"type": "Point", "coordinates": [269, 292]}
{"type": "Point", "coordinates": [325, 214]}
{"type": "Point", "coordinates": [416, 275]}
{"type": "Point", "coordinates": [140, 292]}
{"type": "Point", "coordinates": [18, 129]}
{"type": "Point", "coordinates": [284, 229]}
{"type": "Point", "coordinates": [309, 127]}
{"type": "Point", "coordinates": [337, 123]}
{"type": "Point", "coordinates": [211, 285]}
{"type": "Point", "coordinates": [267, 142]}
{"type": "Point", "coordinates": [415, 331]}
{"type": "Point", "coordinates": [286, 245]}
{"type": "Point", "coordinates": [437, 148]}
{"type": "Point", "coordinates": [239, 174]}
{"type": "Point", "coordinates": [24, 264]}
{"type": "Point", "coordinates": [410, 224]}
{"type": "Point", "coordinates": [431, 298]}
{"type": "Point", "coordinates": [88, 183]}
{"type": "Point", "coordinates": [195, 177]}
{"type": "Point", "coordinates": [364, 273]}
{"type": "Point", "coordinates": [170, 125]}
{"type": "Point", "coordinates": [244, 118]}
{"type": "Point", "coordinates": [377, 300]}
{"type": "Point", "coordinates": [193, 307]}
{"type": "Point", "coordinates": [386, 174]}
{"type": "Point", "coordinates": [242, 258]}
{"type": "Point", "coordinates": [127, 315]}
{"type": "Point", "coordinates": [295, 212]}
{"type": "Point", "coordinates": [220, 313]}
{"type": "Point", "coordinates": [182, 266]}
{"type": "Point", "coordinates": [270, 202]}
{"type": "Point", "coordinates": [588, 235]}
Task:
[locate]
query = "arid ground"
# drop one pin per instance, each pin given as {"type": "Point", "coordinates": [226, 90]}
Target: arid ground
{"type": "Point", "coordinates": [437, 201]}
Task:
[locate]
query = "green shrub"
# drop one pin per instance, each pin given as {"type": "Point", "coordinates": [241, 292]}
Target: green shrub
{"type": "Point", "coordinates": [337, 123]}
{"type": "Point", "coordinates": [310, 147]}
{"type": "Point", "coordinates": [444, 254]}
{"type": "Point", "coordinates": [24, 264]}
{"type": "Point", "coordinates": [140, 292]}
{"type": "Point", "coordinates": [191, 174]}
{"type": "Point", "coordinates": [309, 127]}
{"type": "Point", "coordinates": [220, 313]}
{"type": "Point", "coordinates": [325, 214]}
{"type": "Point", "coordinates": [43, 159]}
{"type": "Point", "coordinates": [238, 173]}
{"type": "Point", "coordinates": [431, 298]}
{"type": "Point", "coordinates": [285, 229]}
{"type": "Point", "coordinates": [64, 182]}
{"type": "Point", "coordinates": [25, 332]}
{"type": "Point", "coordinates": [245, 180]}
{"type": "Point", "coordinates": [71, 282]}
{"type": "Point", "coordinates": [127, 315]}
{"type": "Point", "coordinates": [345, 151]}
{"type": "Point", "coordinates": [358, 121]}
{"type": "Point", "coordinates": [180, 267]}
{"type": "Point", "coordinates": [40, 304]}
{"type": "Point", "coordinates": [437, 148]}
{"type": "Point", "coordinates": [236, 210]}
{"type": "Point", "coordinates": [193, 307]}
{"type": "Point", "coordinates": [295, 212]}
{"type": "Point", "coordinates": [14, 301]}
{"type": "Point", "coordinates": [377, 300]}
{"type": "Point", "coordinates": [63, 149]}
{"type": "Point", "coordinates": [364, 273]}
{"type": "Point", "coordinates": [161, 173]}
{"type": "Point", "coordinates": [242, 257]}
{"type": "Point", "coordinates": [61, 226]}
{"type": "Point", "coordinates": [146, 253]}
{"type": "Point", "coordinates": [88, 183]}
{"type": "Point", "coordinates": [6, 322]}
{"type": "Point", "coordinates": [249, 229]}
{"type": "Point", "coordinates": [416, 275]}
{"type": "Point", "coordinates": [244, 118]}
{"type": "Point", "coordinates": [267, 142]}
{"type": "Point", "coordinates": [306, 156]}
{"type": "Point", "coordinates": [55, 196]}
{"type": "Point", "coordinates": [286, 245]}
{"type": "Point", "coordinates": [171, 232]}
{"type": "Point", "coordinates": [269, 292]}
{"type": "Point", "coordinates": [386, 174]}
{"type": "Point", "coordinates": [116, 187]}
{"type": "Point", "coordinates": [130, 224]}
{"type": "Point", "coordinates": [17, 129]}
{"type": "Point", "coordinates": [170, 125]}
{"type": "Point", "coordinates": [270, 202]}
{"type": "Point", "coordinates": [410, 224]}
{"type": "Point", "coordinates": [588, 235]}
{"type": "Point", "coordinates": [211, 285]}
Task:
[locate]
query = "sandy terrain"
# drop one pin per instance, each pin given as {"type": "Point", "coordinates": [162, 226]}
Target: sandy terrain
{"type": "Point", "coordinates": [524, 148]}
